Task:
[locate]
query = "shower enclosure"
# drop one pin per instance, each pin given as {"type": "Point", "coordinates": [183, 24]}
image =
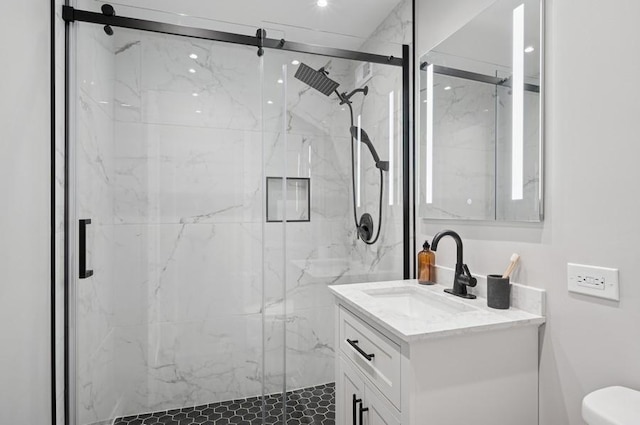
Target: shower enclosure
{"type": "Point", "coordinates": [208, 209]}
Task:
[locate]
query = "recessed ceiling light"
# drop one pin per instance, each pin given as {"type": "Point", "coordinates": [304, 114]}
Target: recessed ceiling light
{"type": "Point", "coordinates": [270, 102]}
{"type": "Point", "coordinates": [322, 3]}
{"type": "Point", "coordinates": [280, 81]}
{"type": "Point", "coordinates": [193, 56]}
{"type": "Point", "coordinates": [191, 70]}
{"type": "Point", "coordinates": [448, 88]}
{"type": "Point", "coordinates": [529, 49]}
{"type": "Point", "coordinates": [103, 102]}
{"type": "Point", "coordinates": [195, 94]}
{"type": "Point", "coordinates": [295, 62]}
{"type": "Point", "coordinates": [126, 105]}
{"type": "Point", "coordinates": [198, 111]}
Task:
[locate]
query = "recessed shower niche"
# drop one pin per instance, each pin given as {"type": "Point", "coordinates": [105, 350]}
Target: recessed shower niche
{"type": "Point", "coordinates": [196, 303]}
{"type": "Point", "coordinates": [288, 199]}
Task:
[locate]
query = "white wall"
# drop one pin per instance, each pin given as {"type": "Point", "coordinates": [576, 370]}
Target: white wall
{"type": "Point", "coordinates": [592, 110]}
{"type": "Point", "coordinates": [24, 214]}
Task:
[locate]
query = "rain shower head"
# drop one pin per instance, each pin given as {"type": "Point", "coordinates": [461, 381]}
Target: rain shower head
{"type": "Point", "coordinates": [316, 79]}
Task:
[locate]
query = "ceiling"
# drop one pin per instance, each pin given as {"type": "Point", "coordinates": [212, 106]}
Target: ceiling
{"type": "Point", "coordinates": [341, 21]}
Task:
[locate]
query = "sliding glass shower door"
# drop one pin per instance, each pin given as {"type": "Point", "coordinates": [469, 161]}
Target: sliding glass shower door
{"type": "Point", "coordinates": [168, 213]}
{"type": "Point", "coordinates": [213, 199]}
{"type": "Point", "coordinates": [308, 143]}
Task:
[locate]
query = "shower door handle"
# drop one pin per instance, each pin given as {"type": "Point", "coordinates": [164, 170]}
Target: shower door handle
{"type": "Point", "coordinates": [82, 248]}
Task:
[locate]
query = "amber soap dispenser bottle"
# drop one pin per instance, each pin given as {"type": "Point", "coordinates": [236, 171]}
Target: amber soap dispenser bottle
{"type": "Point", "coordinates": [426, 263]}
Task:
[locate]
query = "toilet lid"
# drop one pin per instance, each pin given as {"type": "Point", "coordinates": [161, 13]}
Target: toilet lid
{"type": "Point", "coordinates": [612, 406]}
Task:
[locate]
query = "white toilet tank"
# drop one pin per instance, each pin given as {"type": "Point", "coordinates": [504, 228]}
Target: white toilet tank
{"type": "Point", "coordinates": [612, 406]}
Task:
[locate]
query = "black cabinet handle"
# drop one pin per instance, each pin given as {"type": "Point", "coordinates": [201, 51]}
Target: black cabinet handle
{"type": "Point", "coordinates": [362, 410]}
{"type": "Point", "coordinates": [82, 247]}
{"type": "Point", "coordinates": [354, 344]}
{"type": "Point", "coordinates": [354, 408]}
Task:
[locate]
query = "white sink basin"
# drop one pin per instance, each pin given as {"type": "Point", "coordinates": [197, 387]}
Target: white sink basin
{"type": "Point", "coordinates": [418, 304]}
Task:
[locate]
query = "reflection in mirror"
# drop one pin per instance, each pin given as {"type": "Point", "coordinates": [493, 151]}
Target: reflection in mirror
{"type": "Point", "coordinates": [480, 138]}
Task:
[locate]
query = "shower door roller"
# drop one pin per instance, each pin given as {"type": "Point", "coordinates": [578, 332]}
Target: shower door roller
{"type": "Point", "coordinates": [82, 248]}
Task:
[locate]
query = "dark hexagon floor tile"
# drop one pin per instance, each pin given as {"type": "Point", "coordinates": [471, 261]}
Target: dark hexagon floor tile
{"type": "Point", "coordinates": [312, 405]}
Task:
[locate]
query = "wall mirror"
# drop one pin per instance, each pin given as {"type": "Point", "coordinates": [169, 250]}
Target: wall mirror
{"type": "Point", "coordinates": [480, 149]}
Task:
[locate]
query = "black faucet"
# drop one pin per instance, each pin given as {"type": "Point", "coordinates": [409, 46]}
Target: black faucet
{"type": "Point", "coordinates": [462, 277]}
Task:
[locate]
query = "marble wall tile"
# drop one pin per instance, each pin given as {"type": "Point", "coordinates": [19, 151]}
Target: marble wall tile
{"type": "Point", "coordinates": [183, 179]}
{"type": "Point", "coordinates": [225, 87]}
{"type": "Point", "coordinates": [307, 111]}
{"type": "Point", "coordinates": [96, 399]}
{"type": "Point", "coordinates": [131, 372]}
{"type": "Point", "coordinates": [95, 67]}
{"type": "Point", "coordinates": [186, 272]}
{"type": "Point", "coordinates": [396, 29]}
{"type": "Point", "coordinates": [176, 174]}
{"type": "Point", "coordinates": [191, 363]}
{"type": "Point", "coordinates": [128, 75]}
{"type": "Point", "coordinates": [94, 173]}
{"type": "Point", "coordinates": [310, 355]}
{"type": "Point", "coordinates": [206, 272]}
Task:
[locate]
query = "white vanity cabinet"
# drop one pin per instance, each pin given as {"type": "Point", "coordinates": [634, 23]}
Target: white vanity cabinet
{"type": "Point", "coordinates": [480, 377]}
{"type": "Point", "coordinates": [359, 402]}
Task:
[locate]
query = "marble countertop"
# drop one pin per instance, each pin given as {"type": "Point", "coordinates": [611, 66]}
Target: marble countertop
{"type": "Point", "coordinates": [451, 315]}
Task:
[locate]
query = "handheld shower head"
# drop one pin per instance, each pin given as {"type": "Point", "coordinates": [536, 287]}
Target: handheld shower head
{"type": "Point", "coordinates": [316, 79]}
{"type": "Point", "coordinates": [364, 138]}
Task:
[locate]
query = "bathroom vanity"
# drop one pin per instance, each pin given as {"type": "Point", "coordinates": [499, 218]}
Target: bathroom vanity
{"type": "Point", "coordinates": [414, 355]}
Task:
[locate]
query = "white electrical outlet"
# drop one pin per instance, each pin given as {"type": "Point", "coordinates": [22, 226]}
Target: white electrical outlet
{"type": "Point", "coordinates": [599, 282]}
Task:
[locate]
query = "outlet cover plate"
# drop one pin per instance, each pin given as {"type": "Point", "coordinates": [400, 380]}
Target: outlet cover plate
{"type": "Point", "coordinates": [598, 282]}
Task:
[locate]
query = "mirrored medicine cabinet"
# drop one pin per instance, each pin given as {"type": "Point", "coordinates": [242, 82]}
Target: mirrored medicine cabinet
{"type": "Point", "coordinates": [480, 140]}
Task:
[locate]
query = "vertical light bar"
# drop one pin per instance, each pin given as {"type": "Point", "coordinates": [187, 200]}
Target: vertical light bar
{"type": "Point", "coordinates": [358, 160]}
{"type": "Point", "coordinates": [391, 144]}
{"type": "Point", "coordinates": [429, 130]}
{"type": "Point", "coordinates": [517, 129]}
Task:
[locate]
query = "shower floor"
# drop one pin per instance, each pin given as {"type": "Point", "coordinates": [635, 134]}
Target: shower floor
{"type": "Point", "coordinates": [313, 405]}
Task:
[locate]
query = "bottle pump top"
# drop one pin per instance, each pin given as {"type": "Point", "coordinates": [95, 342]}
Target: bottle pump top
{"type": "Point", "coordinates": [426, 246]}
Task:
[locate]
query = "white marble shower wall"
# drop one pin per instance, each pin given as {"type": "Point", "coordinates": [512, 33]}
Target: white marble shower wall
{"type": "Point", "coordinates": [315, 145]}
{"type": "Point", "coordinates": [384, 259]}
{"type": "Point", "coordinates": [189, 142]}
{"type": "Point", "coordinates": [325, 250]}
{"type": "Point", "coordinates": [188, 214]}
{"type": "Point", "coordinates": [97, 397]}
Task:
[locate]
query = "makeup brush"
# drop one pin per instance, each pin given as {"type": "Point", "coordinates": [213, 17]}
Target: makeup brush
{"type": "Point", "coordinates": [514, 261]}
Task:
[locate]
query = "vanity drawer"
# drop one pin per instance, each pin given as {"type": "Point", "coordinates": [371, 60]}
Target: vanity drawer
{"type": "Point", "coordinates": [375, 355]}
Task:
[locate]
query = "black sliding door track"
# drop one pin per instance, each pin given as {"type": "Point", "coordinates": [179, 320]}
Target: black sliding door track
{"type": "Point", "coordinates": [71, 14]}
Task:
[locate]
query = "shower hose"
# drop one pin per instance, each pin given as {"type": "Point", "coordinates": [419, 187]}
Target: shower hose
{"type": "Point", "coordinates": [353, 191]}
